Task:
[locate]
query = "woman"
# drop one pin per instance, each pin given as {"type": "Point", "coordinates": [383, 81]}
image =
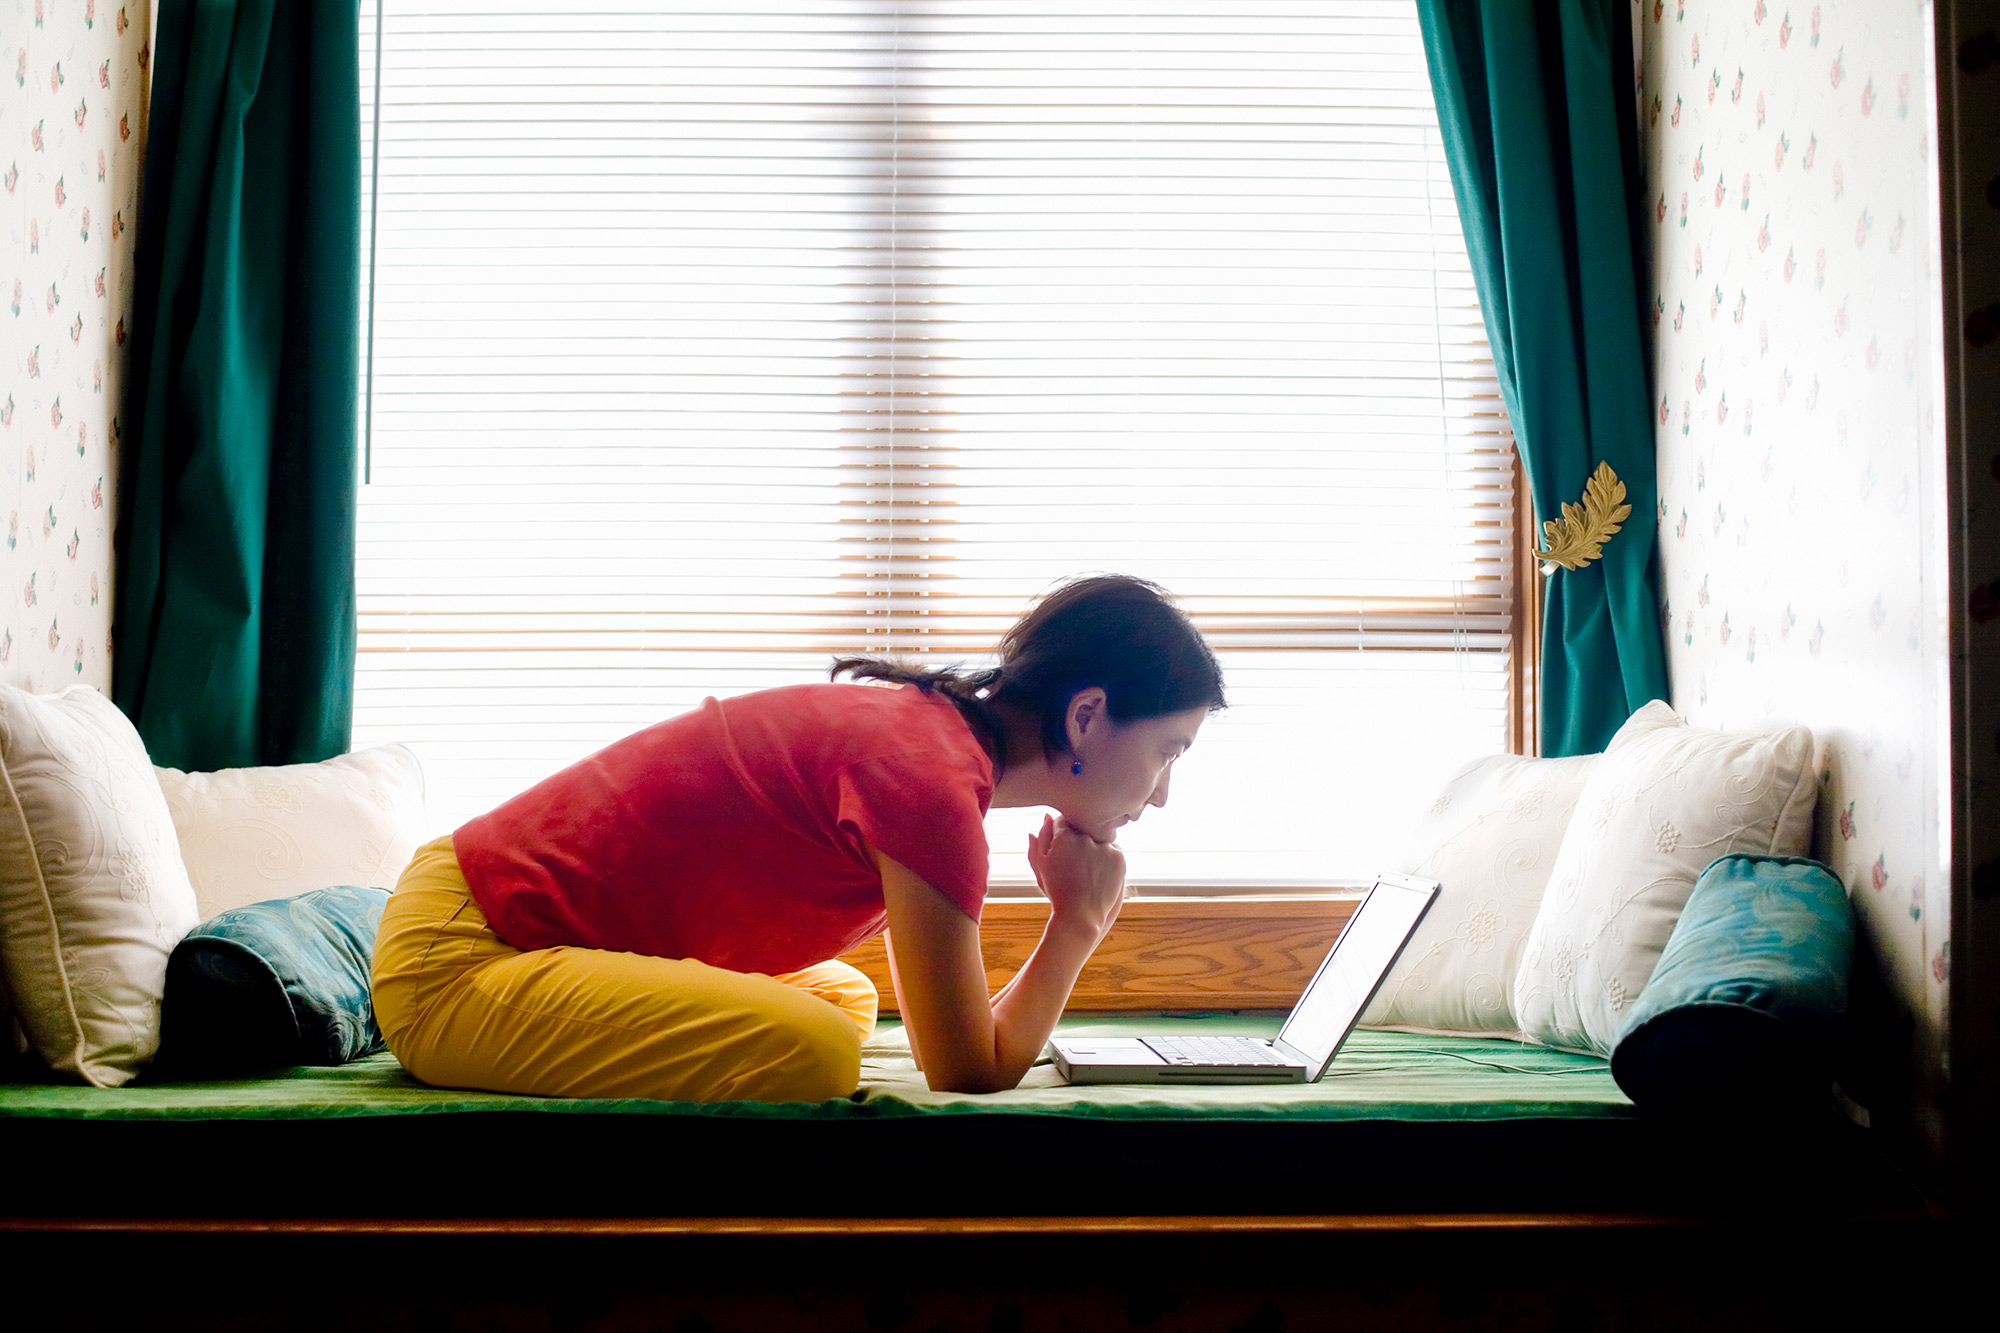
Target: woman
{"type": "Point", "coordinates": [662, 918]}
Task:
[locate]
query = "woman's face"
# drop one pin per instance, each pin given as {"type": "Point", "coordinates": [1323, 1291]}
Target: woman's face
{"type": "Point", "coordinates": [1126, 765]}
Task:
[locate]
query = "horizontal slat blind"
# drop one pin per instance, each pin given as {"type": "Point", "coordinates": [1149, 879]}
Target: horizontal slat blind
{"type": "Point", "coordinates": [713, 339]}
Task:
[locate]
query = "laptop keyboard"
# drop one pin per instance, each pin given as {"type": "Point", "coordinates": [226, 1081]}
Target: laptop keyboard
{"type": "Point", "coordinates": [1214, 1051]}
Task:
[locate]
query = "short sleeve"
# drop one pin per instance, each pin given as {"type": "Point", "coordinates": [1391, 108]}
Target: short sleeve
{"type": "Point", "coordinates": [924, 809]}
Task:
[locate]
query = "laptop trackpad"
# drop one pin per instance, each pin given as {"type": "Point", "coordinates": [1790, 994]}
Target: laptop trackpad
{"type": "Point", "coordinates": [1109, 1051]}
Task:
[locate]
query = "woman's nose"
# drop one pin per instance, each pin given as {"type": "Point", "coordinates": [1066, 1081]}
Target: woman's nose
{"type": "Point", "coordinates": [1159, 796]}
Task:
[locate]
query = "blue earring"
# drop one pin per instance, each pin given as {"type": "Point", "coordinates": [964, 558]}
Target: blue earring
{"type": "Point", "coordinates": [1076, 769]}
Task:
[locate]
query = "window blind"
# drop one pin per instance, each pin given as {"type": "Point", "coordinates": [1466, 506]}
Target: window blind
{"type": "Point", "coordinates": [711, 339]}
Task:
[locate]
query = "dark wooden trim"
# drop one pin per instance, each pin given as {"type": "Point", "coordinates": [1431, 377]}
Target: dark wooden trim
{"type": "Point", "coordinates": [1965, 1165]}
{"type": "Point", "coordinates": [1524, 687]}
{"type": "Point", "coordinates": [1166, 953]}
{"type": "Point", "coordinates": [1238, 1224]}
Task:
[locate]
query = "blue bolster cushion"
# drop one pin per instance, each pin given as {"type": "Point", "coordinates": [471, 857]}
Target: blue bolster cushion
{"type": "Point", "coordinates": [275, 983]}
{"type": "Point", "coordinates": [1745, 1009]}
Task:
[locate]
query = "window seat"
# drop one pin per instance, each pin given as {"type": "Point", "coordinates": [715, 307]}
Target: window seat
{"type": "Point", "coordinates": [1398, 1124]}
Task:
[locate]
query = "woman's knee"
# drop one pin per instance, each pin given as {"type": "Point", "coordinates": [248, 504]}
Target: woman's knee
{"type": "Point", "coordinates": [811, 1055]}
{"type": "Point", "coordinates": [845, 987]}
{"type": "Point", "coordinates": [857, 998]}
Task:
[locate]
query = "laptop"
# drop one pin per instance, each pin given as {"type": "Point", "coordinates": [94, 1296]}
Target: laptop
{"type": "Point", "coordinates": [1332, 1004]}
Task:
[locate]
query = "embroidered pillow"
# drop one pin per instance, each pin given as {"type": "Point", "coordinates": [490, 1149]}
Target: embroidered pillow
{"type": "Point", "coordinates": [1490, 840]}
{"type": "Point", "coordinates": [1661, 803]}
{"type": "Point", "coordinates": [250, 835]}
{"type": "Point", "coordinates": [93, 895]}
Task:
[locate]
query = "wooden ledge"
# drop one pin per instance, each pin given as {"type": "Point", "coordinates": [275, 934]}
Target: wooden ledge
{"type": "Point", "coordinates": [1377, 1223]}
{"type": "Point", "coordinates": [1250, 952]}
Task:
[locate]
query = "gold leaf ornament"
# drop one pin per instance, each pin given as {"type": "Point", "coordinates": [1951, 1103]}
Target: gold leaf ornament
{"type": "Point", "coordinates": [1578, 537]}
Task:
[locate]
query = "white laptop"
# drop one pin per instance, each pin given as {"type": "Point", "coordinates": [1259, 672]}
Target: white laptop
{"type": "Point", "coordinates": [1346, 981]}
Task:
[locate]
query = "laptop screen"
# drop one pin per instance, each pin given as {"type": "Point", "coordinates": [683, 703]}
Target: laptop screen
{"type": "Point", "coordinates": [1347, 979]}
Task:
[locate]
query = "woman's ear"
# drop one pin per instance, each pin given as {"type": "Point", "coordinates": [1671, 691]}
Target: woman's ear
{"type": "Point", "coordinates": [1086, 710]}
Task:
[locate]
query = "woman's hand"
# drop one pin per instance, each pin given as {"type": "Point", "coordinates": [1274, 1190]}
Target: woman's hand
{"type": "Point", "coordinates": [1084, 879]}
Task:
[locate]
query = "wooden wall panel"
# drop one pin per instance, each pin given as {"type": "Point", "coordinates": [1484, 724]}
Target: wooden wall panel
{"type": "Point", "coordinates": [1166, 953]}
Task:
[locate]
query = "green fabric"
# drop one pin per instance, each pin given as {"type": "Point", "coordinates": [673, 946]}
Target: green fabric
{"type": "Point", "coordinates": [1377, 1076]}
{"type": "Point", "coordinates": [235, 543]}
{"type": "Point", "coordinates": [1746, 1007]}
{"type": "Point", "coordinates": [273, 984]}
{"type": "Point", "coordinates": [1535, 105]}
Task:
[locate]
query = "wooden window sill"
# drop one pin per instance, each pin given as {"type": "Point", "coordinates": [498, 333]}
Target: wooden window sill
{"type": "Point", "coordinates": [1247, 951]}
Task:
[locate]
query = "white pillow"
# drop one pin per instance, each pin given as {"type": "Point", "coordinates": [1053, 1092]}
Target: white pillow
{"type": "Point", "coordinates": [1490, 841]}
{"type": "Point", "coordinates": [1662, 802]}
{"type": "Point", "coordinates": [252, 834]}
{"type": "Point", "coordinates": [93, 896]}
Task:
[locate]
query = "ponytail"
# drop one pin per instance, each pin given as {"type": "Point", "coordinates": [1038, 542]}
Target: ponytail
{"type": "Point", "coordinates": [1121, 634]}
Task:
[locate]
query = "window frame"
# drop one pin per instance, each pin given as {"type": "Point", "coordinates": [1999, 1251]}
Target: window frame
{"type": "Point", "coordinates": [885, 620]}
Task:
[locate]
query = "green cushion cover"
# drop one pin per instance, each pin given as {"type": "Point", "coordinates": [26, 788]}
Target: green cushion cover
{"type": "Point", "coordinates": [1378, 1076]}
{"type": "Point", "coordinates": [1744, 1011]}
{"type": "Point", "coordinates": [1399, 1124]}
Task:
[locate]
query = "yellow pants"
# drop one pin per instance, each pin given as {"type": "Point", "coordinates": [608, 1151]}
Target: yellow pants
{"type": "Point", "coordinates": [463, 1009]}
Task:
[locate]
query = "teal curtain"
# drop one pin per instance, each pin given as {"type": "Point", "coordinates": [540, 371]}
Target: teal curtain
{"type": "Point", "coordinates": [1536, 106]}
{"type": "Point", "coordinates": [234, 631]}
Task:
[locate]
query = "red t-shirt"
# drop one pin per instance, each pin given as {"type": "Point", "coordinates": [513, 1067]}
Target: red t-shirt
{"type": "Point", "coordinates": [734, 834]}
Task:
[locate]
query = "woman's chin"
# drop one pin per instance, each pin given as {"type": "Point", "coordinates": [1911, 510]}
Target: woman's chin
{"type": "Point", "coordinates": [1103, 830]}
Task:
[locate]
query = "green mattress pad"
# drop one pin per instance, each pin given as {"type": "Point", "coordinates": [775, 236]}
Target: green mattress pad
{"type": "Point", "coordinates": [1377, 1076]}
{"type": "Point", "coordinates": [1399, 1123]}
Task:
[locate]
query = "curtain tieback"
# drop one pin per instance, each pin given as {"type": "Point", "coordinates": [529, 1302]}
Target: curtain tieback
{"type": "Point", "coordinates": [1578, 537]}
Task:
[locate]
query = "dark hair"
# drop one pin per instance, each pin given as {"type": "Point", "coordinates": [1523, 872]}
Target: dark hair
{"type": "Point", "coordinates": [1117, 632]}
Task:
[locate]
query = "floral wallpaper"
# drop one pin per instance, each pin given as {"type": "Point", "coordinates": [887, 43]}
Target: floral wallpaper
{"type": "Point", "coordinates": [1791, 173]}
{"type": "Point", "coordinates": [73, 90]}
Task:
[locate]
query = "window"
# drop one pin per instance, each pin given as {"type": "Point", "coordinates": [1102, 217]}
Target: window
{"type": "Point", "coordinates": [711, 340]}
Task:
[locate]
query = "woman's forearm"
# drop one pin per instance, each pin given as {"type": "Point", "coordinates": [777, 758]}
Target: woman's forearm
{"type": "Point", "coordinates": [1026, 1009]}
{"type": "Point", "coordinates": [968, 1039]}
{"type": "Point", "coordinates": [896, 985]}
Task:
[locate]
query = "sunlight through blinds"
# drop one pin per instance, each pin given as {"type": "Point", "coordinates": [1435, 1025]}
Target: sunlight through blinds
{"type": "Point", "coordinates": [713, 339]}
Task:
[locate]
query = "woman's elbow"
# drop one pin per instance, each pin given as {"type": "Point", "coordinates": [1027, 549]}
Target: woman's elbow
{"type": "Point", "coordinates": [980, 1081]}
